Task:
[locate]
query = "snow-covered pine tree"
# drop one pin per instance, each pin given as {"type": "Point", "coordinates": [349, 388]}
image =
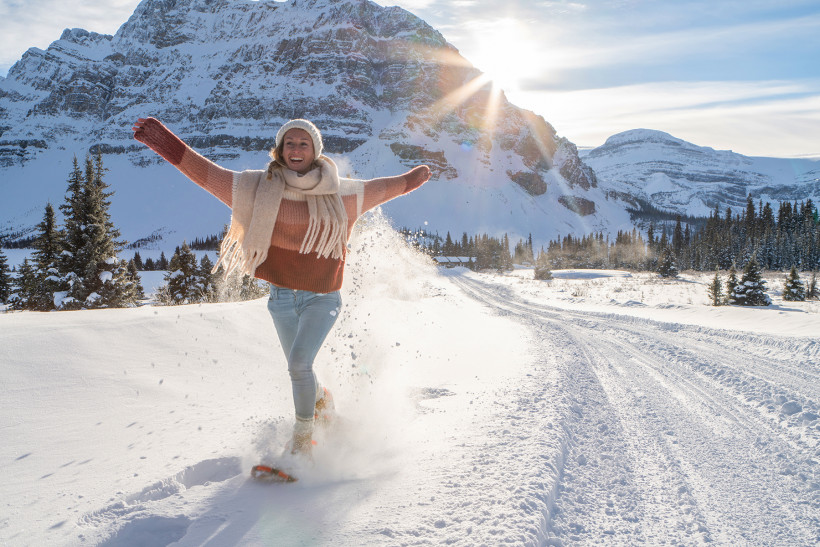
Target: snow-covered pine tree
{"type": "Point", "coordinates": [237, 287]}
{"type": "Point", "coordinates": [542, 266]}
{"type": "Point", "coordinates": [731, 284]}
{"type": "Point", "coordinates": [793, 288]}
{"type": "Point", "coordinates": [47, 247]}
{"type": "Point", "coordinates": [5, 278]}
{"type": "Point", "coordinates": [667, 267]}
{"type": "Point", "coordinates": [751, 290]}
{"type": "Point", "coordinates": [183, 284]}
{"type": "Point", "coordinates": [25, 287]}
{"type": "Point", "coordinates": [92, 275]}
{"type": "Point", "coordinates": [134, 279]}
{"type": "Point", "coordinates": [70, 263]}
{"type": "Point", "coordinates": [715, 290]}
{"type": "Point", "coordinates": [252, 288]}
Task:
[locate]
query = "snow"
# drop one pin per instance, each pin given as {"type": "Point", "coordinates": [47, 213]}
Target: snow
{"type": "Point", "coordinates": [601, 407]}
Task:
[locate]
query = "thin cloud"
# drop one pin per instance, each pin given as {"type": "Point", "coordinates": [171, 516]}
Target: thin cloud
{"type": "Point", "coordinates": [769, 118]}
{"type": "Point", "coordinates": [38, 24]}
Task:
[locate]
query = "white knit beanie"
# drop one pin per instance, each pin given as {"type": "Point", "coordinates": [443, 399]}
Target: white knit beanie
{"type": "Point", "coordinates": [311, 129]}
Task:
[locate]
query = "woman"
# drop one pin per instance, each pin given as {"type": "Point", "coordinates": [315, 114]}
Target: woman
{"type": "Point", "coordinates": [290, 224]}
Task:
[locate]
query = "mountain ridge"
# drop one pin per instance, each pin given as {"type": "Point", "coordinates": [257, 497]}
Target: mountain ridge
{"type": "Point", "coordinates": [651, 166]}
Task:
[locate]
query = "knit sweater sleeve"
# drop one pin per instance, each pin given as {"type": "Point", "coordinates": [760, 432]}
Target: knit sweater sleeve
{"type": "Point", "coordinates": [380, 190]}
{"type": "Point", "coordinates": [210, 176]}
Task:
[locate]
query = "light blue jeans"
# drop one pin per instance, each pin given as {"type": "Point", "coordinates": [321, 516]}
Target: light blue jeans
{"type": "Point", "coordinates": [303, 320]}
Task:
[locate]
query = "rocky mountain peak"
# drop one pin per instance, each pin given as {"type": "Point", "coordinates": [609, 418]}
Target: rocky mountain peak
{"type": "Point", "coordinates": [225, 74]}
{"type": "Point", "coordinates": [645, 166]}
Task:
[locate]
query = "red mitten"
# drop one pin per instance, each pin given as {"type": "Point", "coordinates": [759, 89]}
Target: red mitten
{"type": "Point", "coordinates": [159, 138]}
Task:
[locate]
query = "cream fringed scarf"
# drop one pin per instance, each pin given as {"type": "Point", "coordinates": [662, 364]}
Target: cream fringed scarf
{"type": "Point", "coordinates": [257, 196]}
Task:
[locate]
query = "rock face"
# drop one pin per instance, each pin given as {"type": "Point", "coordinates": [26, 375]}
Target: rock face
{"type": "Point", "coordinates": [652, 167]}
{"type": "Point", "coordinates": [232, 71]}
{"type": "Point", "coordinates": [225, 74]}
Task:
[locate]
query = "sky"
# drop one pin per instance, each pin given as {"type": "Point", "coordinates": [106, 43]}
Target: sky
{"type": "Point", "coordinates": [740, 75]}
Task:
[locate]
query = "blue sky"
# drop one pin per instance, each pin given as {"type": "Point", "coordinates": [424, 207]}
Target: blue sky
{"type": "Point", "coordinates": [731, 74]}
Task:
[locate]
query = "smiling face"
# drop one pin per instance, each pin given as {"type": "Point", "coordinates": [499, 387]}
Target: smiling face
{"type": "Point", "coordinates": [297, 150]}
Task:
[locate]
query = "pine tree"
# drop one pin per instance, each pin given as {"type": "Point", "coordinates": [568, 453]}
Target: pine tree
{"type": "Point", "coordinates": [731, 285]}
{"type": "Point", "coordinates": [542, 267]}
{"type": "Point", "coordinates": [46, 256]}
{"type": "Point", "coordinates": [715, 290]}
{"type": "Point", "coordinates": [207, 279]}
{"type": "Point", "coordinates": [182, 282]}
{"type": "Point", "coordinates": [667, 267]}
{"type": "Point", "coordinates": [5, 278]}
{"type": "Point", "coordinates": [751, 290]}
{"type": "Point", "coordinates": [25, 285]}
{"type": "Point", "coordinates": [677, 238]}
{"type": "Point", "coordinates": [793, 288]}
{"type": "Point", "coordinates": [134, 279]}
{"type": "Point", "coordinates": [91, 273]}
{"type": "Point", "coordinates": [812, 292]}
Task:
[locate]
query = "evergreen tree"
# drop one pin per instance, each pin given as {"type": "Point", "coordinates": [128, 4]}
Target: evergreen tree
{"type": "Point", "coordinates": [183, 284]}
{"type": "Point", "coordinates": [138, 261]}
{"type": "Point", "coordinates": [667, 267]}
{"type": "Point", "coordinates": [162, 262]}
{"type": "Point", "coordinates": [448, 246]}
{"type": "Point", "coordinates": [812, 291]}
{"type": "Point", "coordinates": [731, 284]}
{"type": "Point", "coordinates": [91, 274]}
{"type": "Point", "coordinates": [134, 279]}
{"type": "Point", "coordinates": [542, 267]}
{"type": "Point", "coordinates": [207, 279]}
{"type": "Point", "coordinates": [237, 287]}
{"type": "Point", "coordinates": [677, 239]}
{"type": "Point", "coordinates": [25, 285]}
{"type": "Point", "coordinates": [5, 278]}
{"type": "Point", "coordinates": [793, 289]}
{"type": "Point", "coordinates": [751, 290]}
{"type": "Point", "coordinates": [715, 290]}
{"type": "Point", "coordinates": [47, 247]}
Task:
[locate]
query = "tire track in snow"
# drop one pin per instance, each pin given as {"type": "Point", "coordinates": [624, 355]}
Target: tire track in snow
{"type": "Point", "coordinates": [692, 458]}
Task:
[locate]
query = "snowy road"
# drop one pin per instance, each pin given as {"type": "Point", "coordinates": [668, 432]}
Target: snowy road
{"type": "Point", "coordinates": [483, 410]}
{"type": "Point", "coordinates": [678, 434]}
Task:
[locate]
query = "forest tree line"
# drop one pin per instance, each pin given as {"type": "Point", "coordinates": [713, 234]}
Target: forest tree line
{"type": "Point", "coordinates": [791, 237]}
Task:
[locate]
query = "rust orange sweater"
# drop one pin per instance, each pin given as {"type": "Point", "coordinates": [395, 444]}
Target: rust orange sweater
{"type": "Point", "coordinates": [285, 266]}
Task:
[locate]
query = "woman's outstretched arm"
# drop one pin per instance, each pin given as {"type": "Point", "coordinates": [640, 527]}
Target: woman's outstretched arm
{"type": "Point", "coordinates": [380, 190]}
{"type": "Point", "coordinates": [213, 178]}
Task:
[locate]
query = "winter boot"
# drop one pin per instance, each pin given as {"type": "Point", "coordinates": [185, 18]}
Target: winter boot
{"type": "Point", "coordinates": [301, 444]}
{"type": "Point", "coordinates": [325, 410]}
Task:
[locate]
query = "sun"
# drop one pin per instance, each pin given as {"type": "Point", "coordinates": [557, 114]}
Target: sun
{"type": "Point", "coordinates": [505, 54]}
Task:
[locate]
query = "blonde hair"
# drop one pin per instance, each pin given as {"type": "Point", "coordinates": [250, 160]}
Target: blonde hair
{"type": "Point", "coordinates": [276, 154]}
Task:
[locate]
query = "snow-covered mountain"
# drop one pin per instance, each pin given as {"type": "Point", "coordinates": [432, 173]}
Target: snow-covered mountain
{"type": "Point", "coordinates": [656, 168]}
{"type": "Point", "coordinates": [387, 90]}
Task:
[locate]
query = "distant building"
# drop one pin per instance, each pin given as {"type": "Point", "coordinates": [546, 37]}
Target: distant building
{"type": "Point", "coordinates": [454, 261]}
